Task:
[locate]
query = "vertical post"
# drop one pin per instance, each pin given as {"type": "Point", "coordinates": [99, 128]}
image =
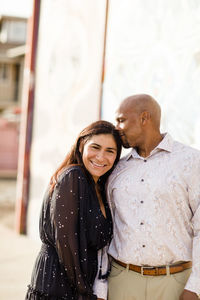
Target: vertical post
{"type": "Point", "coordinates": [104, 54]}
{"type": "Point", "coordinates": [23, 174]}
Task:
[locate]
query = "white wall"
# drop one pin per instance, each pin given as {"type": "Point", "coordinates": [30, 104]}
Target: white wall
{"type": "Point", "coordinates": [154, 47]}
{"type": "Point", "coordinates": [68, 85]}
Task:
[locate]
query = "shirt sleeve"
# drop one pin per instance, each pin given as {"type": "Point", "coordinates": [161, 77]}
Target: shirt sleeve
{"type": "Point", "coordinates": [109, 197]}
{"type": "Point", "coordinates": [100, 287]}
{"type": "Point", "coordinates": [194, 201]}
{"type": "Point", "coordinates": [65, 217]}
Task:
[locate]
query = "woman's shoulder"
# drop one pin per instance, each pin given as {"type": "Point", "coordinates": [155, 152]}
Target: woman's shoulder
{"type": "Point", "coordinates": [72, 171]}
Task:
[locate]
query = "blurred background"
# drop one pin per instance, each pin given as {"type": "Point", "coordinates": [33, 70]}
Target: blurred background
{"type": "Point", "coordinates": [13, 38]}
{"type": "Point", "coordinates": [66, 63]}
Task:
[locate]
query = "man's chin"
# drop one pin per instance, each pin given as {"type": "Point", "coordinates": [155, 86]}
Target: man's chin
{"type": "Point", "coordinates": [126, 145]}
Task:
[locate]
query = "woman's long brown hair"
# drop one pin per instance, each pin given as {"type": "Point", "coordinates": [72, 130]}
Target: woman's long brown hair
{"type": "Point", "coordinates": [74, 157]}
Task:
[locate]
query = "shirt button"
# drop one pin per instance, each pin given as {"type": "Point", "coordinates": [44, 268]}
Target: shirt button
{"type": "Point", "coordinates": [143, 246]}
{"type": "Point", "coordinates": [142, 179]}
{"type": "Point", "coordinates": [141, 223]}
{"type": "Point", "coordinates": [145, 160]}
{"type": "Point", "coordinates": [142, 201]}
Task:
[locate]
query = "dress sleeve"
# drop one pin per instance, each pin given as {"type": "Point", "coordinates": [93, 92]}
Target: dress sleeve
{"type": "Point", "coordinates": [65, 207]}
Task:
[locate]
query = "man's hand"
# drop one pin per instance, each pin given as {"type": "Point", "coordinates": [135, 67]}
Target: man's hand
{"type": "Point", "coordinates": [188, 295]}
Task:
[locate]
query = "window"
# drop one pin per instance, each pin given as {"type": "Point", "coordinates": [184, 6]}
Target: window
{"type": "Point", "coordinates": [3, 71]}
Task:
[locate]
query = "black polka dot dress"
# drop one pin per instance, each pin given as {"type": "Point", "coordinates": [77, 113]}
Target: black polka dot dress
{"type": "Point", "coordinates": [72, 230]}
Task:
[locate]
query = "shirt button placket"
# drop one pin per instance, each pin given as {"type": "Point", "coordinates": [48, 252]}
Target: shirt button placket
{"type": "Point", "coordinates": [142, 179]}
{"type": "Point", "coordinates": [142, 223]}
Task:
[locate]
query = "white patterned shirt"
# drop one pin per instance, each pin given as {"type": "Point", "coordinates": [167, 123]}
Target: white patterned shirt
{"type": "Point", "coordinates": [155, 204]}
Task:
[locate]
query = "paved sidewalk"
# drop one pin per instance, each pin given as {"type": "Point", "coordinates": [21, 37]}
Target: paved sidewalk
{"type": "Point", "coordinates": [17, 255]}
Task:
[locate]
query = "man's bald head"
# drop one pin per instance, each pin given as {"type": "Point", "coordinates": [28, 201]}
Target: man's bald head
{"type": "Point", "coordinates": [143, 103]}
{"type": "Point", "coordinates": [138, 122]}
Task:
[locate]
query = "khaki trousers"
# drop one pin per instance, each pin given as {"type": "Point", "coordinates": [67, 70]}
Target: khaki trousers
{"type": "Point", "coordinates": [124, 284]}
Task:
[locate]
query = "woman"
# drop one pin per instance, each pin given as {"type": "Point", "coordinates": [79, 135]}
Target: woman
{"type": "Point", "coordinates": [75, 220]}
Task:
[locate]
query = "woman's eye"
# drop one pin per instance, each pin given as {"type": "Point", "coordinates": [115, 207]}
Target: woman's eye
{"type": "Point", "coordinates": [110, 151]}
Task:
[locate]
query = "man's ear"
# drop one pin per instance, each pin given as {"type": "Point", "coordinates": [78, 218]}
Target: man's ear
{"type": "Point", "coordinates": [145, 117]}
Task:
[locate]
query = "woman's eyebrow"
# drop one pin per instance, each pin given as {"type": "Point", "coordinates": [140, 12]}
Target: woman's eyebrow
{"type": "Point", "coordinates": [109, 148]}
{"type": "Point", "coordinates": [95, 144]}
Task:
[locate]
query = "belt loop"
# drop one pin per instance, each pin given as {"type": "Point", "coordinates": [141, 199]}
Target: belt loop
{"type": "Point", "coordinates": [168, 270]}
{"type": "Point", "coordinates": [142, 271]}
{"type": "Point", "coordinates": [127, 267]}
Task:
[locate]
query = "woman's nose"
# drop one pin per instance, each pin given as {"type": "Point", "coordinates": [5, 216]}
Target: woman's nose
{"type": "Point", "coordinates": [100, 155]}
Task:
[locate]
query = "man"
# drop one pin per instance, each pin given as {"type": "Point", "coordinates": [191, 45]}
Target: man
{"type": "Point", "coordinates": [154, 195]}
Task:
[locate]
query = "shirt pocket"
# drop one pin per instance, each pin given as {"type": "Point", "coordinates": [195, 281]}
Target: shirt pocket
{"type": "Point", "coordinates": [182, 277]}
{"type": "Point", "coordinates": [116, 270]}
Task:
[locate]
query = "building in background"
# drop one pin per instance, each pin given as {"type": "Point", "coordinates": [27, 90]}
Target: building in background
{"type": "Point", "coordinates": [12, 53]}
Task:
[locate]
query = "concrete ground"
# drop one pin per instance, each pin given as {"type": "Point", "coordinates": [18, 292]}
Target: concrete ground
{"type": "Point", "coordinates": [17, 252]}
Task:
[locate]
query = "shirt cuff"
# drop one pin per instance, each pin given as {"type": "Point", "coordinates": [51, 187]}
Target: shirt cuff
{"type": "Point", "coordinates": [100, 288]}
{"type": "Point", "coordinates": [193, 284]}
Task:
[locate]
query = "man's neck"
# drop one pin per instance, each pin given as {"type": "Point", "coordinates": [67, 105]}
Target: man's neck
{"type": "Point", "coordinates": [149, 144]}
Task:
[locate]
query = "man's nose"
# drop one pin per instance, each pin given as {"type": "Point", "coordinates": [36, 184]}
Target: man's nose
{"type": "Point", "coordinates": [117, 126]}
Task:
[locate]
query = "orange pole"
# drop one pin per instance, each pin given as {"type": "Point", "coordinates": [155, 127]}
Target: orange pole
{"type": "Point", "coordinates": [104, 56]}
{"type": "Point", "coordinates": [23, 175]}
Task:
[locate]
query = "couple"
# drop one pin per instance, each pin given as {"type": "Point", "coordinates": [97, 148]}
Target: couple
{"type": "Point", "coordinates": [153, 195]}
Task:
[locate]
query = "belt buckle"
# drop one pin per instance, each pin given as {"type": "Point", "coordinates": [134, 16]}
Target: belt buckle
{"type": "Point", "coordinates": [148, 267]}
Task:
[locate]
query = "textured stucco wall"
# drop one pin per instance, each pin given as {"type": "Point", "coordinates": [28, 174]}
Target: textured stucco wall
{"type": "Point", "coordinates": [68, 85]}
{"type": "Point", "coordinates": [154, 47]}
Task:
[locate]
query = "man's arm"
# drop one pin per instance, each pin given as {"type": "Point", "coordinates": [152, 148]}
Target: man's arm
{"type": "Point", "coordinates": [193, 283]}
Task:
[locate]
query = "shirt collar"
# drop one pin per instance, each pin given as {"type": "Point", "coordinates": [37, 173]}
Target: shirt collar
{"type": "Point", "coordinates": [165, 145]}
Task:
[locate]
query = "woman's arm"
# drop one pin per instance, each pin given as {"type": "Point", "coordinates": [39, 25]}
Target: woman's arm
{"type": "Point", "coordinates": [65, 217]}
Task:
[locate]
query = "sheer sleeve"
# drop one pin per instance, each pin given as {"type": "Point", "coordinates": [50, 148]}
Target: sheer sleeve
{"type": "Point", "coordinates": [66, 223]}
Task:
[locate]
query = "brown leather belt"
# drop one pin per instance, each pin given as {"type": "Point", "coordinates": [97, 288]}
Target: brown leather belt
{"type": "Point", "coordinates": [156, 271]}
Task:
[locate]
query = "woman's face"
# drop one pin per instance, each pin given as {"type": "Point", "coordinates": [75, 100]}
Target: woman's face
{"type": "Point", "coordinates": [99, 154]}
